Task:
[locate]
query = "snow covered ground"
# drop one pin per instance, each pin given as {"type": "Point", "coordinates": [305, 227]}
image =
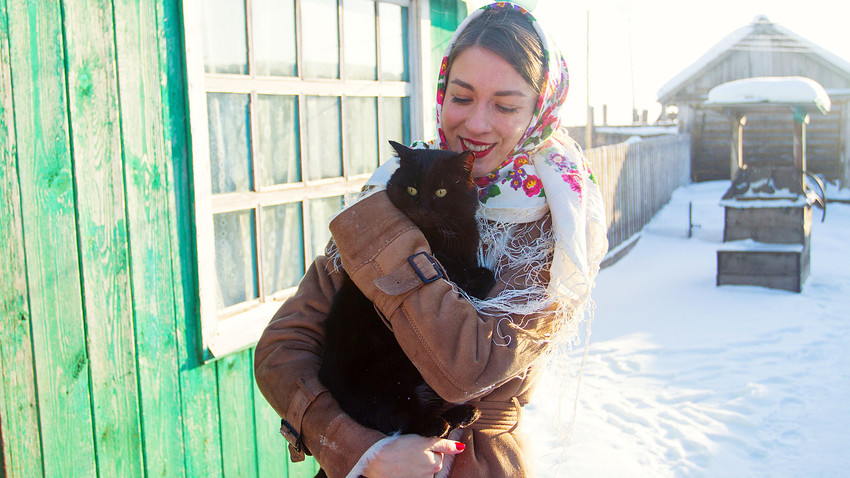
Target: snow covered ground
{"type": "Point", "coordinates": [684, 378]}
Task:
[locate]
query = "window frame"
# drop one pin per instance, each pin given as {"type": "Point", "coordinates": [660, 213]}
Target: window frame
{"type": "Point", "coordinates": [240, 326]}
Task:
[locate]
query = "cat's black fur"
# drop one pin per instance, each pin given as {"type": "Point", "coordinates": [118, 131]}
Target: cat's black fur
{"type": "Point", "coordinates": [363, 366]}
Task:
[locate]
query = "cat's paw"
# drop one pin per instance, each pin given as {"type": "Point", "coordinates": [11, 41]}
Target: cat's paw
{"type": "Point", "coordinates": [461, 416]}
{"type": "Point", "coordinates": [430, 426]}
{"type": "Point", "coordinates": [479, 282]}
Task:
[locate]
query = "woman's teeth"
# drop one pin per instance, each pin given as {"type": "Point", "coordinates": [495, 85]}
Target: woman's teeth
{"type": "Point", "coordinates": [476, 148]}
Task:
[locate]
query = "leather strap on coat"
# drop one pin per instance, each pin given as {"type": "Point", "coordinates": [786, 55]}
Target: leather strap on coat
{"type": "Point", "coordinates": [498, 416]}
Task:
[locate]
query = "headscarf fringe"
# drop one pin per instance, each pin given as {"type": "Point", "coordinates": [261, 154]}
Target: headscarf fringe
{"type": "Point", "coordinates": [527, 263]}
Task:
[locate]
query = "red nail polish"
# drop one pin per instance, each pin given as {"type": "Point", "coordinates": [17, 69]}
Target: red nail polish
{"type": "Point", "coordinates": [460, 446]}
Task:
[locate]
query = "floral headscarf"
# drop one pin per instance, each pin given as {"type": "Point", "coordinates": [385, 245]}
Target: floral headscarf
{"type": "Point", "coordinates": [545, 173]}
{"type": "Point", "coordinates": [544, 122]}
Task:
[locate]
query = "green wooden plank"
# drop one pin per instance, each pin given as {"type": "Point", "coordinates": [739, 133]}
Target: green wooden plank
{"type": "Point", "coordinates": [199, 402]}
{"type": "Point", "coordinates": [21, 437]}
{"type": "Point", "coordinates": [235, 392]}
{"type": "Point", "coordinates": [102, 229]}
{"type": "Point", "coordinates": [48, 216]}
{"type": "Point", "coordinates": [145, 167]}
{"type": "Point", "coordinates": [271, 446]}
{"type": "Point", "coordinates": [272, 450]}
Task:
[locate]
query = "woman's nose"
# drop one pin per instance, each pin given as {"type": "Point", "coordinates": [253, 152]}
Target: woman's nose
{"type": "Point", "coordinates": [478, 120]}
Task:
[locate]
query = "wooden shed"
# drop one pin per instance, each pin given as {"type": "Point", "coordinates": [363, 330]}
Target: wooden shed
{"type": "Point", "coordinates": [763, 49]}
{"type": "Point", "coordinates": [125, 128]}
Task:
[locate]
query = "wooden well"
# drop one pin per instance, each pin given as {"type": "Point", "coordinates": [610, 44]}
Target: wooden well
{"type": "Point", "coordinates": [768, 215]}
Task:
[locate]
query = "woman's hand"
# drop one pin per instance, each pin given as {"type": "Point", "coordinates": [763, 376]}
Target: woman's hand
{"type": "Point", "coordinates": [411, 456]}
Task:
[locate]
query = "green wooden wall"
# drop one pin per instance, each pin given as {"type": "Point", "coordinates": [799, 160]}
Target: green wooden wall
{"type": "Point", "coordinates": [99, 354]}
{"type": "Point", "coordinates": [98, 337]}
{"type": "Point", "coordinates": [446, 15]}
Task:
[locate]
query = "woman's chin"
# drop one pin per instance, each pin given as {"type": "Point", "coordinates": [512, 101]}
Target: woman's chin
{"type": "Point", "coordinates": [486, 165]}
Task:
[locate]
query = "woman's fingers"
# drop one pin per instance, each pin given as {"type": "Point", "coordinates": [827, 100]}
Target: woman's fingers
{"type": "Point", "coordinates": [411, 456]}
{"type": "Point", "coordinates": [436, 461]}
{"type": "Point", "coordinates": [447, 446]}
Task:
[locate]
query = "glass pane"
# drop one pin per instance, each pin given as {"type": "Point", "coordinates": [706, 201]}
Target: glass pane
{"type": "Point", "coordinates": [320, 38]}
{"type": "Point", "coordinates": [393, 42]}
{"type": "Point", "coordinates": [283, 246]}
{"type": "Point", "coordinates": [235, 257]}
{"type": "Point", "coordinates": [361, 134]}
{"type": "Point", "coordinates": [225, 38]}
{"type": "Point", "coordinates": [361, 53]}
{"type": "Point", "coordinates": [274, 37]}
{"type": "Point", "coordinates": [323, 152]}
{"type": "Point", "coordinates": [230, 156]}
{"type": "Point", "coordinates": [320, 211]}
{"type": "Point", "coordinates": [277, 140]}
{"type": "Point", "coordinates": [395, 117]}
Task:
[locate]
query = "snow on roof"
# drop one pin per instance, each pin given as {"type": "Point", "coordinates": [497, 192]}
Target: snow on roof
{"type": "Point", "coordinates": [791, 90]}
{"type": "Point", "coordinates": [822, 52]}
{"type": "Point", "coordinates": [737, 36]}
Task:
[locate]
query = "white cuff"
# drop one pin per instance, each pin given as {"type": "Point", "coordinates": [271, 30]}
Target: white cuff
{"type": "Point", "coordinates": [370, 454]}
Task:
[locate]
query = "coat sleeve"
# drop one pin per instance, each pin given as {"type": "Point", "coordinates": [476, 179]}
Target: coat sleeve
{"type": "Point", "coordinates": [450, 343]}
{"type": "Point", "coordinates": [286, 366]}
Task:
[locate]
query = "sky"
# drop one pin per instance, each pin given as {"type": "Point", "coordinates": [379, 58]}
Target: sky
{"type": "Point", "coordinates": [663, 37]}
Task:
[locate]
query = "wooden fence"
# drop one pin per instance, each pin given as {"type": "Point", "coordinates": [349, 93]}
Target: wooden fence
{"type": "Point", "coordinates": [637, 180]}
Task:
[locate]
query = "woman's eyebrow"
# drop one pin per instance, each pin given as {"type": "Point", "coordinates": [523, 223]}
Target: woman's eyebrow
{"type": "Point", "coordinates": [467, 86]}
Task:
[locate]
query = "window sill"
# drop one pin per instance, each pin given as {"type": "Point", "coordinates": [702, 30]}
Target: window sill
{"type": "Point", "coordinates": [241, 331]}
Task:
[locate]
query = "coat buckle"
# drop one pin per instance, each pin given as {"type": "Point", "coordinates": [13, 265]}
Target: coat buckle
{"type": "Point", "coordinates": [437, 268]}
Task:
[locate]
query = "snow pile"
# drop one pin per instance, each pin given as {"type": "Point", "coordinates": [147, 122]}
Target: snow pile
{"type": "Point", "coordinates": [835, 193]}
{"type": "Point", "coordinates": [684, 378]}
{"type": "Point", "coordinates": [638, 130]}
{"type": "Point", "coordinates": [793, 90]}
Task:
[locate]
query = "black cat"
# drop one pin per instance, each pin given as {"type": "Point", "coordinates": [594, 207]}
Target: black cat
{"type": "Point", "coordinates": [364, 367]}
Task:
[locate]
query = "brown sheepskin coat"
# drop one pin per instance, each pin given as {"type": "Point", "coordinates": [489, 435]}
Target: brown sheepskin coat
{"type": "Point", "coordinates": [450, 343]}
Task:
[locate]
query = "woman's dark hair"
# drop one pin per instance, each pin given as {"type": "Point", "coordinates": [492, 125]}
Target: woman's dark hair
{"type": "Point", "coordinates": [510, 35]}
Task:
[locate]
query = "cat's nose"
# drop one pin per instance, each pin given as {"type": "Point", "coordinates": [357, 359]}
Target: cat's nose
{"type": "Point", "coordinates": [421, 216]}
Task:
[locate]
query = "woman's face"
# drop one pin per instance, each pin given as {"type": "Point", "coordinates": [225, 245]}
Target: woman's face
{"type": "Point", "coordinates": [487, 107]}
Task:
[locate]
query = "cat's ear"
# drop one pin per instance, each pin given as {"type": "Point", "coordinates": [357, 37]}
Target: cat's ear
{"type": "Point", "coordinates": [399, 148]}
{"type": "Point", "coordinates": [468, 160]}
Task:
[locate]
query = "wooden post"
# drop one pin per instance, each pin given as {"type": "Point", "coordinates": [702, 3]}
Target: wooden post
{"type": "Point", "coordinates": [737, 143]}
{"type": "Point", "coordinates": [800, 122]}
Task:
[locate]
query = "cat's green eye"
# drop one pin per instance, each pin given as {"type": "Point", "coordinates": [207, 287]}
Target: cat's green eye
{"type": "Point", "coordinates": [412, 191]}
{"type": "Point", "coordinates": [440, 193]}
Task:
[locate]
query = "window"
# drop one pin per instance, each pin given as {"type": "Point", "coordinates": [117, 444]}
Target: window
{"type": "Point", "coordinates": [291, 105]}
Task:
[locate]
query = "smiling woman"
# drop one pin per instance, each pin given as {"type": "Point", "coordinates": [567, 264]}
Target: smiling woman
{"type": "Point", "coordinates": [499, 94]}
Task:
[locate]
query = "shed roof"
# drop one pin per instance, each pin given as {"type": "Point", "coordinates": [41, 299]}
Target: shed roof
{"type": "Point", "coordinates": [761, 34]}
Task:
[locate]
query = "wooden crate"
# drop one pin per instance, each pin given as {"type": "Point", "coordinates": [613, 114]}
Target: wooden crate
{"type": "Point", "coordinates": [774, 225]}
{"type": "Point", "coordinates": [777, 266]}
{"type": "Point", "coordinates": [766, 246]}
{"type": "Point", "coordinates": [776, 269]}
